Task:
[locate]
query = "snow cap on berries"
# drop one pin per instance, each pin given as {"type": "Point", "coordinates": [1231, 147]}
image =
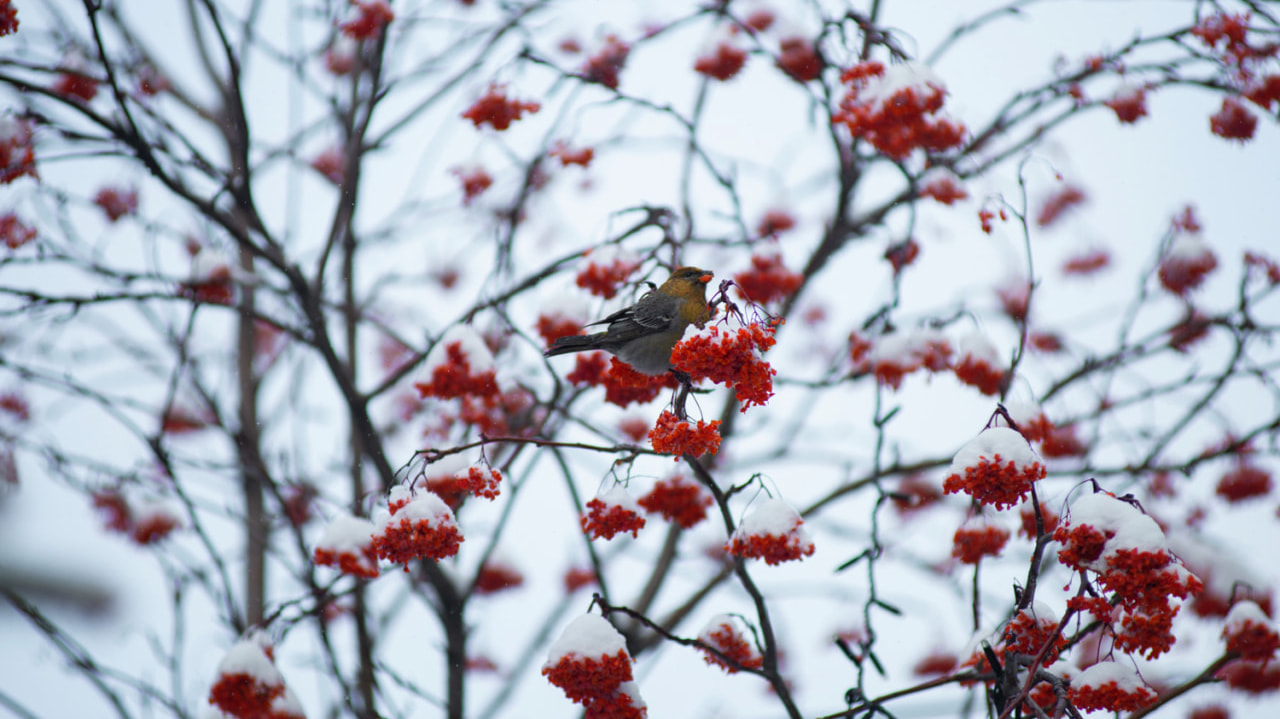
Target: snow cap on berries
{"type": "Point", "coordinates": [722, 633]}
{"type": "Point", "coordinates": [1128, 552]}
{"type": "Point", "coordinates": [941, 184]}
{"type": "Point", "coordinates": [249, 685]}
{"type": "Point", "coordinates": [979, 363]}
{"type": "Point", "coordinates": [895, 355]}
{"type": "Point", "coordinates": [347, 543]}
{"type": "Point", "coordinates": [590, 635]}
{"type": "Point", "coordinates": [774, 532]}
{"type": "Point", "coordinates": [419, 525]}
{"type": "Point", "coordinates": [590, 663]}
{"type": "Point", "coordinates": [1129, 103]}
{"type": "Point", "coordinates": [249, 656]}
{"type": "Point", "coordinates": [1111, 686]}
{"type": "Point", "coordinates": [155, 520]}
{"type": "Point", "coordinates": [212, 265]}
{"type": "Point", "coordinates": [449, 465]}
{"type": "Point", "coordinates": [455, 477]}
{"type": "Point", "coordinates": [1186, 263]}
{"type": "Point", "coordinates": [472, 345]}
{"type": "Point", "coordinates": [895, 108]}
{"type": "Point", "coordinates": [459, 365]}
{"type": "Point", "coordinates": [898, 77]}
{"type": "Point", "coordinates": [1249, 631]}
{"type": "Point", "coordinates": [1124, 526]}
{"type": "Point", "coordinates": [997, 468]}
{"type": "Point", "coordinates": [612, 512]}
{"type": "Point", "coordinates": [563, 314]}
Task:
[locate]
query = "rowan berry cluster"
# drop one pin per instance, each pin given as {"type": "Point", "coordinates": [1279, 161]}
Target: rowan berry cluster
{"type": "Point", "coordinates": [1124, 552]}
{"type": "Point", "coordinates": [895, 108]}
{"type": "Point", "coordinates": [419, 526]}
{"type": "Point", "coordinates": [678, 437]}
{"type": "Point", "coordinates": [611, 513]}
{"type": "Point", "coordinates": [249, 686]}
{"type": "Point", "coordinates": [722, 634]}
{"type": "Point", "coordinates": [996, 468]}
{"type": "Point", "coordinates": [732, 359]}
{"type": "Point", "coordinates": [590, 663]}
{"type": "Point", "coordinates": [774, 532]}
{"type": "Point", "coordinates": [678, 500]}
{"type": "Point", "coordinates": [347, 543]}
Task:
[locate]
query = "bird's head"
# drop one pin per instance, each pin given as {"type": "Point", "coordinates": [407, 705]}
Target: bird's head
{"type": "Point", "coordinates": [692, 274]}
{"type": "Point", "coordinates": [690, 284]}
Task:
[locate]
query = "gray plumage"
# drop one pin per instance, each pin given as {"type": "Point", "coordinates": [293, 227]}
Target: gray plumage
{"type": "Point", "coordinates": [643, 334]}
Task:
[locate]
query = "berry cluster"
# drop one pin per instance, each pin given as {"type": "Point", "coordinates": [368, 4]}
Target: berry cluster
{"type": "Point", "coordinates": [498, 111]}
{"type": "Point", "coordinates": [590, 663]}
{"type": "Point", "coordinates": [373, 17]}
{"type": "Point", "coordinates": [604, 66]}
{"type": "Point", "coordinates": [773, 532]}
{"type": "Point", "coordinates": [15, 233]}
{"type": "Point", "coordinates": [677, 500]}
{"type": "Point", "coordinates": [732, 359]}
{"type": "Point", "coordinates": [895, 109]}
{"type": "Point", "coordinates": [144, 522]}
{"type": "Point", "coordinates": [419, 526]}
{"type": "Point", "coordinates": [976, 539]}
{"type": "Point", "coordinates": [606, 271]}
{"type": "Point", "coordinates": [249, 686]}
{"type": "Point", "coordinates": [17, 153]}
{"type": "Point", "coordinates": [347, 543]}
{"type": "Point", "coordinates": [723, 635]}
{"type": "Point", "coordinates": [768, 279]}
{"type": "Point", "coordinates": [1187, 260]}
{"type": "Point", "coordinates": [674, 436]}
{"type": "Point", "coordinates": [117, 202]}
{"type": "Point", "coordinates": [723, 64]}
{"type": "Point", "coordinates": [1126, 553]}
{"type": "Point", "coordinates": [996, 468]}
{"type": "Point", "coordinates": [611, 513]}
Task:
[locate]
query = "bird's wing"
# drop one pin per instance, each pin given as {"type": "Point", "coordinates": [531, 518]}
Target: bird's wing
{"type": "Point", "coordinates": [652, 313]}
{"type": "Point", "coordinates": [648, 313]}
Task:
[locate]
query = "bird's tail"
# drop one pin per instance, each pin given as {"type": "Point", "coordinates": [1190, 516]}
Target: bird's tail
{"type": "Point", "coordinates": [574, 343]}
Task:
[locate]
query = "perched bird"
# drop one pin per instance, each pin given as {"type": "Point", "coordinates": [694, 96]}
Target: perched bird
{"type": "Point", "coordinates": [644, 334]}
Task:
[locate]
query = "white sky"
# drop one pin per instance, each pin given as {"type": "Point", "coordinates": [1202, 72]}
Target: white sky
{"type": "Point", "coordinates": [1136, 177]}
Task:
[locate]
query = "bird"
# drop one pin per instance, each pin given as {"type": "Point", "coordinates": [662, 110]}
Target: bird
{"type": "Point", "coordinates": [644, 334]}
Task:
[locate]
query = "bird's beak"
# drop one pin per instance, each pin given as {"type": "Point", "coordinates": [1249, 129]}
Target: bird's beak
{"type": "Point", "coordinates": [706, 278]}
